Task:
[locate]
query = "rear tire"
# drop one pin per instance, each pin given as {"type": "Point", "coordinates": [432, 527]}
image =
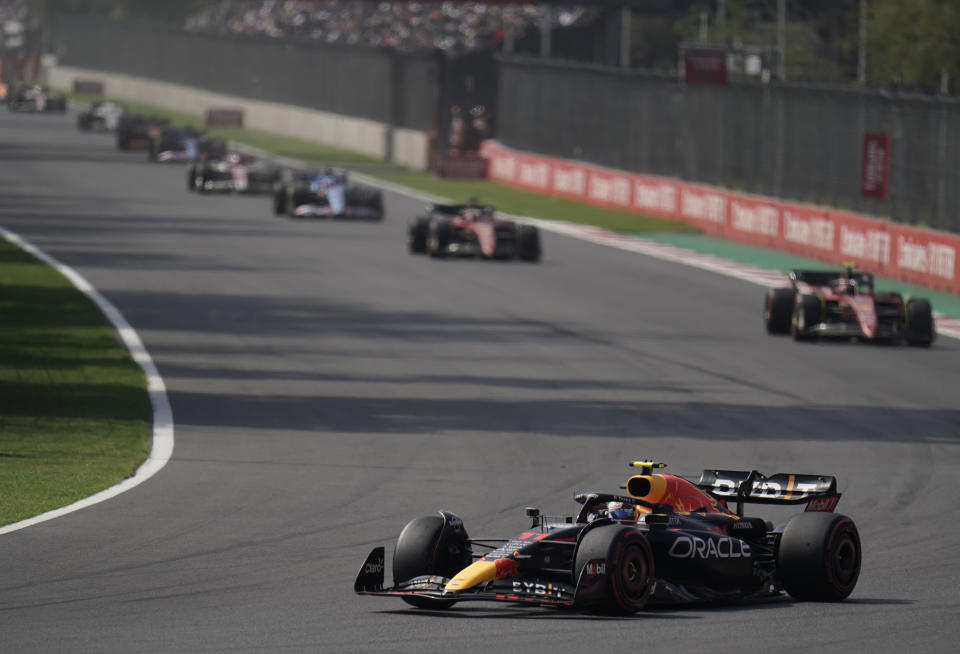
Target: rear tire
{"type": "Point", "coordinates": [528, 243]}
{"type": "Point", "coordinates": [778, 310]}
{"type": "Point", "coordinates": [819, 557]}
{"type": "Point", "coordinates": [280, 201]}
{"type": "Point", "coordinates": [806, 313]}
{"type": "Point", "coordinates": [628, 574]}
{"type": "Point", "coordinates": [421, 550]}
{"type": "Point", "coordinates": [919, 330]}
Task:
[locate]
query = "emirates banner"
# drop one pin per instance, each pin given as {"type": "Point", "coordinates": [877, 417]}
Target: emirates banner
{"type": "Point", "coordinates": [913, 254]}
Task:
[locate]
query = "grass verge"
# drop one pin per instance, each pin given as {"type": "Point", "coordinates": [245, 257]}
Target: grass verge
{"type": "Point", "coordinates": [502, 197]}
{"type": "Point", "coordinates": [74, 412]}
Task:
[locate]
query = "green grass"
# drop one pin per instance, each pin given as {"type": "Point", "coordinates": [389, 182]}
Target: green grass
{"type": "Point", "coordinates": [74, 412]}
{"type": "Point", "coordinates": [502, 197]}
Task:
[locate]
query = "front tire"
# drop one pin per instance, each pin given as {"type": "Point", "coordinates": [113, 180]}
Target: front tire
{"type": "Point", "coordinates": [627, 576]}
{"type": "Point", "coordinates": [778, 310]}
{"type": "Point", "coordinates": [806, 314]}
{"type": "Point", "coordinates": [819, 557]}
{"type": "Point", "coordinates": [423, 550]}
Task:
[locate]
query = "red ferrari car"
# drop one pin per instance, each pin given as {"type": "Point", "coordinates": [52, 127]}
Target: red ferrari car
{"type": "Point", "coordinates": [844, 304]}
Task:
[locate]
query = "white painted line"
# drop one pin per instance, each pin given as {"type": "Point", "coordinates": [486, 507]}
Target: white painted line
{"type": "Point", "coordinates": [162, 445]}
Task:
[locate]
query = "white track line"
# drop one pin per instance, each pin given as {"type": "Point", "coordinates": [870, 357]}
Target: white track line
{"type": "Point", "coordinates": [162, 446]}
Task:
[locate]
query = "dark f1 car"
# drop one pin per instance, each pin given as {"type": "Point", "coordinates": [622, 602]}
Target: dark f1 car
{"type": "Point", "coordinates": [471, 230]}
{"type": "Point", "coordinates": [135, 131]}
{"type": "Point", "coordinates": [667, 540]}
{"type": "Point", "coordinates": [37, 99]}
{"type": "Point", "coordinates": [176, 144]}
{"type": "Point", "coordinates": [844, 304]}
{"type": "Point", "coordinates": [228, 171]}
{"type": "Point", "coordinates": [325, 194]}
{"type": "Point", "coordinates": [100, 117]}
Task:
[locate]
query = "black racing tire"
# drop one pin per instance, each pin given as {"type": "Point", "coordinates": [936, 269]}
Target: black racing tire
{"type": "Point", "coordinates": [439, 237]}
{"type": "Point", "coordinates": [280, 204]}
{"type": "Point", "coordinates": [528, 243]}
{"type": "Point", "coordinates": [819, 557]}
{"type": "Point", "coordinates": [417, 232]}
{"type": "Point", "coordinates": [628, 574]}
{"type": "Point", "coordinates": [919, 330]}
{"type": "Point", "coordinates": [806, 313]}
{"type": "Point", "coordinates": [421, 551]}
{"type": "Point", "coordinates": [778, 310]}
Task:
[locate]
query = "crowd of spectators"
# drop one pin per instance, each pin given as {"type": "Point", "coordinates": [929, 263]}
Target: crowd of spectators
{"type": "Point", "coordinates": [408, 26]}
{"type": "Point", "coordinates": [13, 10]}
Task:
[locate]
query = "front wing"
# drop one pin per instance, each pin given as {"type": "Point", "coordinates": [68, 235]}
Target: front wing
{"type": "Point", "coordinates": [370, 581]}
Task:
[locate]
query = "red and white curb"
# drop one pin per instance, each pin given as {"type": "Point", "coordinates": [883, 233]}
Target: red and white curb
{"type": "Point", "coordinates": [945, 325]}
{"type": "Point", "coordinates": [162, 442]}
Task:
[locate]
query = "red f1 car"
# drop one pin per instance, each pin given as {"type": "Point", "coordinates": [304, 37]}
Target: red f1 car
{"type": "Point", "coordinates": [667, 540]}
{"type": "Point", "coordinates": [471, 230]}
{"type": "Point", "coordinates": [844, 304]}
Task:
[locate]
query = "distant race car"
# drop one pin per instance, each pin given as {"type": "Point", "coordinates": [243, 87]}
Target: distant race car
{"type": "Point", "coordinates": [36, 99]}
{"type": "Point", "coordinates": [229, 171]}
{"type": "Point", "coordinates": [325, 194]}
{"type": "Point", "coordinates": [175, 144]}
{"type": "Point", "coordinates": [668, 540]}
{"type": "Point", "coordinates": [135, 131]}
{"type": "Point", "coordinates": [471, 230]}
{"type": "Point", "coordinates": [100, 117]}
{"type": "Point", "coordinates": [844, 304]}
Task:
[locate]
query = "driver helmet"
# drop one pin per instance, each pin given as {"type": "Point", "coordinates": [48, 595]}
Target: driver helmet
{"type": "Point", "coordinates": [621, 511]}
{"type": "Point", "coordinates": [845, 286]}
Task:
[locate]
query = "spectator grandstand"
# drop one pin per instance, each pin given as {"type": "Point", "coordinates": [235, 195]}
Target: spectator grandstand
{"type": "Point", "coordinates": [453, 27]}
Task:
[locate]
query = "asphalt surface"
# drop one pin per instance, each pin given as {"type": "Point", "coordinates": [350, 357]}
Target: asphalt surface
{"type": "Point", "coordinates": [327, 387]}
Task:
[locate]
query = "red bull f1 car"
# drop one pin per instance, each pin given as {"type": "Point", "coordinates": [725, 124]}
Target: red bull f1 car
{"type": "Point", "coordinates": [471, 230]}
{"type": "Point", "coordinates": [325, 194]}
{"type": "Point", "coordinates": [844, 304]}
{"type": "Point", "coordinates": [666, 540]}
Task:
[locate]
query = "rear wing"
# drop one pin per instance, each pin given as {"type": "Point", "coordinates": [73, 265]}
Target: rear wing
{"type": "Point", "coordinates": [818, 492]}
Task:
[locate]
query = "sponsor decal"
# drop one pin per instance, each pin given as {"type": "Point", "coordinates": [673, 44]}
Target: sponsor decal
{"type": "Point", "coordinates": [755, 219]}
{"type": "Point", "coordinates": [373, 568]}
{"type": "Point", "coordinates": [534, 174]}
{"type": "Point", "coordinates": [504, 167]}
{"type": "Point", "coordinates": [868, 245]}
{"type": "Point", "coordinates": [933, 259]}
{"type": "Point", "coordinates": [595, 568]}
{"type": "Point", "coordinates": [655, 196]}
{"type": "Point", "coordinates": [703, 206]}
{"type": "Point", "coordinates": [572, 181]}
{"type": "Point", "coordinates": [610, 189]}
{"type": "Point", "coordinates": [826, 504]}
{"type": "Point", "coordinates": [694, 547]}
{"type": "Point", "coordinates": [532, 588]}
{"type": "Point", "coordinates": [813, 232]}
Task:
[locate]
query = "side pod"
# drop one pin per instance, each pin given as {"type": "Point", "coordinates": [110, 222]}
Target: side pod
{"type": "Point", "coordinates": [370, 576]}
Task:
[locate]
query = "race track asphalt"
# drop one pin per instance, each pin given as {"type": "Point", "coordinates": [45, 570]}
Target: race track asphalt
{"type": "Point", "coordinates": [327, 387]}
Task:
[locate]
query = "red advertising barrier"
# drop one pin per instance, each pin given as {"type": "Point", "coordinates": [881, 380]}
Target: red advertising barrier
{"type": "Point", "coordinates": [922, 256]}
